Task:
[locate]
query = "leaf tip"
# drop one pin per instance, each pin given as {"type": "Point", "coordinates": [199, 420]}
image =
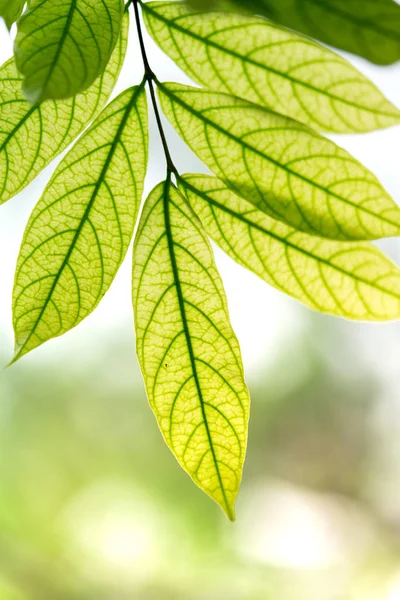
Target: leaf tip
{"type": "Point", "coordinates": [33, 95]}
{"type": "Point", "coordinates": [21, 348]}
{"type": "Point", "coordinates": [230, 513]}
{"type": "Point", "coordinates": [227, 504]}
{"type": "Point", "coordinates": [18, 353]}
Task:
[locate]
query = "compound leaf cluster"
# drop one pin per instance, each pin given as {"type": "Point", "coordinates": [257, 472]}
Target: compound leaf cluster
{"type": "Point", "coordinates": [283, 201]}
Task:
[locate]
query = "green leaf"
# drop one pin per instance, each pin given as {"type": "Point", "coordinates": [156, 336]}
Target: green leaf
{"type": "Point", "coordinates": [281, 166]}
{"type": "Point", "coordinates": [11, 10]}
{"type": "Point", "coordinates": [32, 136]}
{"type": "Point", "coordinates": [80, 230]}
{"type": "Point", "coordinates": [348, 279]}
{"type": "Point", "coordinates": [62, 46]}
{"type": "Point", "coordinates": [265, 64]}
{"type": "Point", "coordinates": [369, 28]}
{"type": "Point", "coordinates": [187, 350]}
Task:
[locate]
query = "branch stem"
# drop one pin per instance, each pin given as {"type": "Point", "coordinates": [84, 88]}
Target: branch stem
{"type": "Point", "coordinates": [151, 78]}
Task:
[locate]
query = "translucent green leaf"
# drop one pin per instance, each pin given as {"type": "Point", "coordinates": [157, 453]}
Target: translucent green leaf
{"type": "Point", "coordinates": [11, 10]}
{"type": "Point", "coordinates": [281, 166]}
{"type": "Point", "coordinates": [369, 28]}
{"type": "Point", "coordinates": [79, 232]}
{"type": "Point", "coordinates": [348, 279]}
{"type": "Point", "coordinates": [32, 136]}
{"type": "Point", "coordinates": [62, 46]}
{"type": "Point", "coordinates": [187, 350]}
{"type": "Point", "coordinates": [265, 64]}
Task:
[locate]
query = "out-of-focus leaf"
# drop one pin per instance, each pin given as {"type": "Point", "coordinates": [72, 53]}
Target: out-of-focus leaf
{"type": "Point", "coordinates": [32, 136]}
{"type": "Point", "coordinates": [265, 64]}
{"type": "Point", "coordinates": [187, 350]}
{"type": "Point", "coordinates": [79, 232]}
{"type": "Point", "coordinates": [62, 46]}
{"type": "Point", "coordinates": [370, 28]}
{"type": "Point", "coordinates": [11, 10]}
{"type": "Point", "coordinates": [281, 166]}
{"type": "Point", "coordinates": [348, 279]}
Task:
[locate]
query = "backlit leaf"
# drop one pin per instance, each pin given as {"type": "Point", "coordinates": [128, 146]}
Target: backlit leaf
{"type": "Point", "coordinates": [257, 60]}
{"type": "Point", "coordinates": [62, 46]}
{"type": "Point", "coordinates": [281, 166]}
{"type": "Point", "coordinates": [32, 136]}
{"type": "Point", "coordinates": [369, 28]}
{"type": "Point", "coordinates": [79, 232]}
{"type": "Point", "coordinates": [348, 279]}
{"type": "Point", "coordinates": [187, 350]}
{"type": "Point", "coordinates": [11, 10]}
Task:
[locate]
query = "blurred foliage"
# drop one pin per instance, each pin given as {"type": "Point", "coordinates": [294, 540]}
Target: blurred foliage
{"type": "Point", "coordinates": [369, 28]}
{"type": "Point", "coordinates": [93, 508]}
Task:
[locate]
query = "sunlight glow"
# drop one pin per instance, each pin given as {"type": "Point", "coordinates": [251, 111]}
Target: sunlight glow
{"type": "Point", "coordinates": [299, 529]}
{"type": "Point", "coordinates": [394, 589]}
{"type": "Point", "coordinates": [111, 527]}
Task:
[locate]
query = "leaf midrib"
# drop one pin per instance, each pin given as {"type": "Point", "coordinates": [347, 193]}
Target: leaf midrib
{"type": "Point", "coordinates": [255, 63]}
{"type": "Point", "coordinates": [18, 126]}
{"type": "Point", "coordinates": [239, 141]}
{"type": "Point", "coordinates": [60, 44]}
{"type": "Point", "coordinates": [6, 141]}
{"type": "Point", "coordinates": [86, 214]}
{"type": "Point", "coordinates": [185, 325]}
{"type": "Point", "coordinates": [278, 238]}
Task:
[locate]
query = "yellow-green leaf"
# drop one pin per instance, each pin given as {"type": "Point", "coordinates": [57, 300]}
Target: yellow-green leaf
{"type": "Point", "coordinates": [281, 166]}
{"type": "Point", "coordinates": [79, 232]}
{"type": "Point", "coordinates": [257, 60]}
{"type": "Point", "coordinates": [11, 10]}
{"type": "Point", "coordinates": [62, 46]}
{"type": "Point", "coordinates": [348, 279]}
{"type": "Point", "coordinates": [32, 136]}
{"type": "Point", "coordinates": [187, 350]}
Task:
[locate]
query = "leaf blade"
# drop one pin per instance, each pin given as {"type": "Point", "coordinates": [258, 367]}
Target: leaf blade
{"type": "Point", "coordinates": [346, 279]}
{"type": "Point", "coordinates": [80, 230]}
{"type": "Point", "coordinates": [63, 46]}
{"type": "Point", "coordinates": [261, 62]}
{"type": "Point", "coordinates": [187, 350]}
{"type": "Point", "coordinates": [32, 136]}
{"type": "Point", "coordinates": [281, 166]}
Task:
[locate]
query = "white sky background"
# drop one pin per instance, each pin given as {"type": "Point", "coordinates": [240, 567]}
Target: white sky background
{"type": "Point", "coordinates": [263, 318]}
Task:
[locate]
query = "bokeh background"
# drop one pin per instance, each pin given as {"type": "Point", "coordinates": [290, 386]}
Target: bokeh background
{"type": "Point", "coordinates": [94, 507]}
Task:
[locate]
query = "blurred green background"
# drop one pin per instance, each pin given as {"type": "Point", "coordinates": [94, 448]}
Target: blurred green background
{"type": "Point", "coordinates": [94, 507]}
